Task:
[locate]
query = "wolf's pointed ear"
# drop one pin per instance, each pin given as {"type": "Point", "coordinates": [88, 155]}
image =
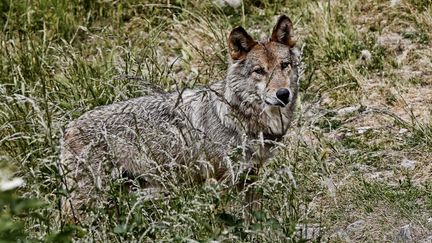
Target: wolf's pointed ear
{"type": "Point", "coordinates": [240, 43]}
{"type": "Point", "coordinates": [283, 32]}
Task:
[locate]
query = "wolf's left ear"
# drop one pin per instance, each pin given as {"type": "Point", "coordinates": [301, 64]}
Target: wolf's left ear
{"type": "Point", "coordinates": [240, 43]}
{"type": "Point", "coordinates": [283, 32]}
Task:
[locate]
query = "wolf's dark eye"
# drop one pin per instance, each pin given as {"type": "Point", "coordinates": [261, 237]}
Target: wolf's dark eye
{"type": "Point", "coordinates": [259, 70]}
{"type": "Point", "coordinates": [285, 64]}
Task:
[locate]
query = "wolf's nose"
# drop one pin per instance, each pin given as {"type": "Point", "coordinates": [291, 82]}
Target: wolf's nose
{"type": "Point", "coordinates": [283, 95]}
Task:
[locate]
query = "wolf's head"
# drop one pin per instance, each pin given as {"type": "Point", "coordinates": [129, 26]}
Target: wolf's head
{"type": "Point", "coordinates": [262, 79]}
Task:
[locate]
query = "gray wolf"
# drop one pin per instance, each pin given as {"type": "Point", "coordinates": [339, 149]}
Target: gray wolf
{"type": "Point", "coordinates": [192, 134]}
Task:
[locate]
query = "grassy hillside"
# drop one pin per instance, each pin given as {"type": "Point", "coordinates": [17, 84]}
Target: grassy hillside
{"type": "Point", "coordinates": [356, 165]}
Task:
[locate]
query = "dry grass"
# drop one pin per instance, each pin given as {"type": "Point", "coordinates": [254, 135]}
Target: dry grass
{"type": "Point", "coordinates": [356, 166]}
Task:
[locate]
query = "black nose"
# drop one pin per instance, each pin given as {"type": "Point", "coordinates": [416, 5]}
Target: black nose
{"type": "Point", "coordinates": [283, 95]}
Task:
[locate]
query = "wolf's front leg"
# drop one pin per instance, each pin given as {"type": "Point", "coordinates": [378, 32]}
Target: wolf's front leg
{"type": "Point", "coordinates": [253, 193]}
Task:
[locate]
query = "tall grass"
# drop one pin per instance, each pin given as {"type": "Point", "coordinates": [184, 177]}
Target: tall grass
{"type": "Point", "coordinates": [61, 58]}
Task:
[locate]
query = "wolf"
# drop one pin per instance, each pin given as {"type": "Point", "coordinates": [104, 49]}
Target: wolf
{"type": "Point", "coordinates": [168, 135]}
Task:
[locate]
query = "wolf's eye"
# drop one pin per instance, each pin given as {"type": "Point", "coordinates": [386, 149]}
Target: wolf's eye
{"type": "Point", "coordinates": [285, 64]}
{"type": "Point", "coordinates": [259, 70]}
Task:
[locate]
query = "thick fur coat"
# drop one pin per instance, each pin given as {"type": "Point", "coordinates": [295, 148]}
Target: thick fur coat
{"type": "Point", "coordinates": [164, 134]}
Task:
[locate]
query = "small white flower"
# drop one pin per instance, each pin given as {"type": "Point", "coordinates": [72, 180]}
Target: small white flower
{"type": "Point", "coordinates": [12, 184]}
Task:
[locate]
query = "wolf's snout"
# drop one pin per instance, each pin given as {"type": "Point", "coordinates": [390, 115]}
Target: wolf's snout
{"type": "Point", "coordinates": [283, 96]}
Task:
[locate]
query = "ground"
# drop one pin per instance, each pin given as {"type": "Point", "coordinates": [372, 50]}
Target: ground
{"type": "Point", "coordinates": [355, 166]}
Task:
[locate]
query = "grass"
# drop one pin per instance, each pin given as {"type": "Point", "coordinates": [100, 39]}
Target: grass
{"type": "Point", "coordinates": [61, 58]}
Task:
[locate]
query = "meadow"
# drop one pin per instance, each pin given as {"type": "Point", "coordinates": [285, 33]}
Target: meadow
{"type": "Point", "coordinates": [356, 166]}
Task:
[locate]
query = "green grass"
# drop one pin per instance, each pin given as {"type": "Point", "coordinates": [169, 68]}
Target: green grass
{"type": "Point", "coordinates": [61, 58]}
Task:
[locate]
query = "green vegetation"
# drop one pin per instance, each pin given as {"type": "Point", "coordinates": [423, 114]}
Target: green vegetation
{"type": "Point", "coordinates": [359, 150]}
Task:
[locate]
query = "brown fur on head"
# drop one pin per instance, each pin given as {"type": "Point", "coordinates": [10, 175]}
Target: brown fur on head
{"type": "Point", "coordinates": [262, 80]}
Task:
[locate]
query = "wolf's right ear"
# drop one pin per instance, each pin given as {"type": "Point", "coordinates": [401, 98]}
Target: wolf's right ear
{"type": "Point", "coordinates": [240, 43]}
{"type": "Point", "coordinates": [283, 32]}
